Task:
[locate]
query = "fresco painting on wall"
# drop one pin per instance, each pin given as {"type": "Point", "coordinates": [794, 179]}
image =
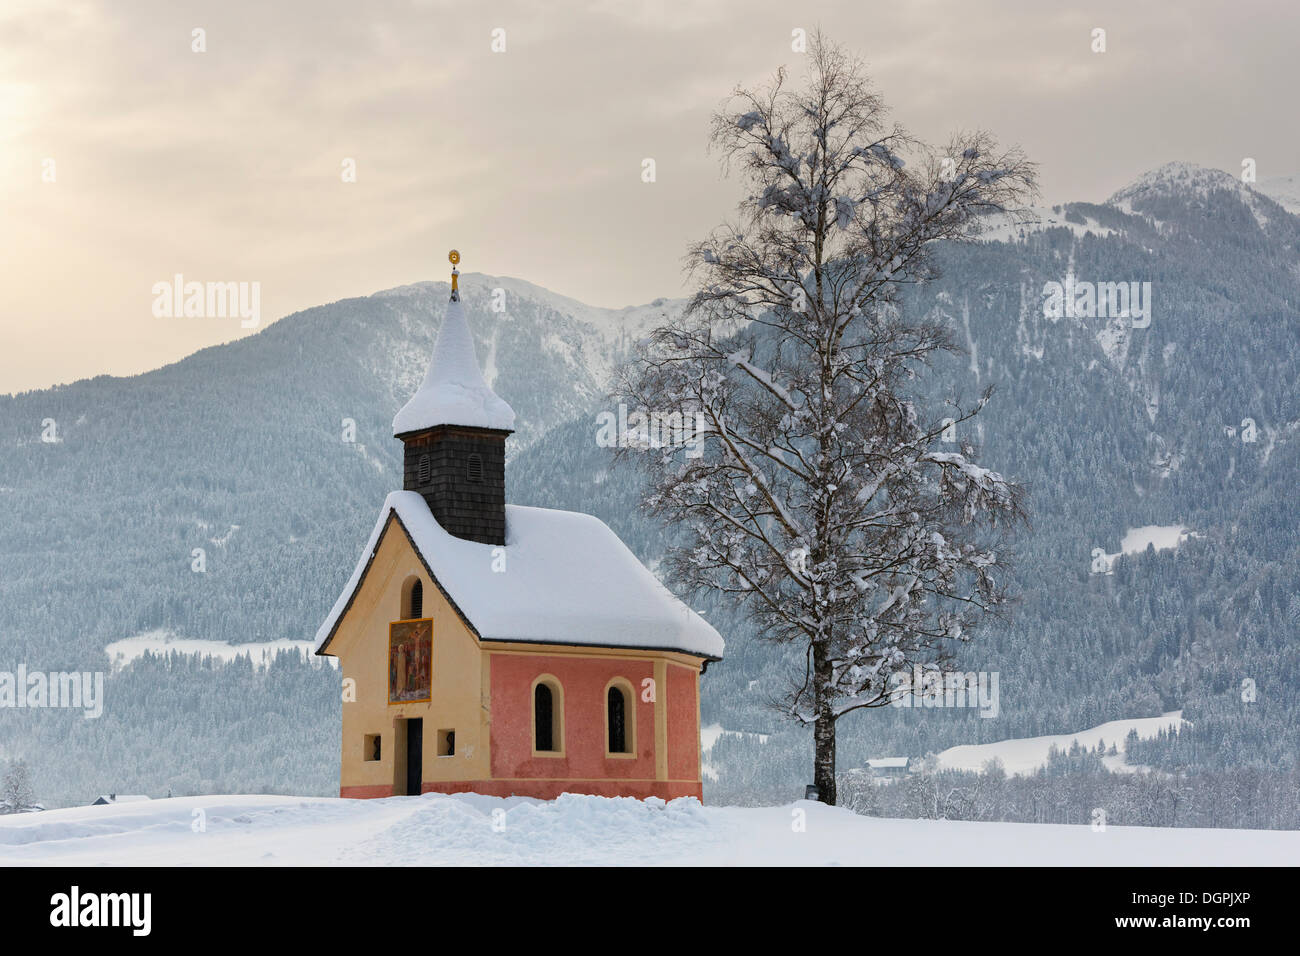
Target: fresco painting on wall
{"type": "Point", "coordinates": [410, 660]}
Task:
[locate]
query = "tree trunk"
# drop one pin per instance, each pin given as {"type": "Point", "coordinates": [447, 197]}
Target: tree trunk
{"type": "Point", "coordinates": [823, 729]}
{"type": "Point", "coordinates": [824, 761]}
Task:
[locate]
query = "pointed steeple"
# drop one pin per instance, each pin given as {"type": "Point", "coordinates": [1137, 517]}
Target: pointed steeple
{"type": "Point", "coordinates": [454, 391]}
{"type": "Point", "coordinates": [454, 431]}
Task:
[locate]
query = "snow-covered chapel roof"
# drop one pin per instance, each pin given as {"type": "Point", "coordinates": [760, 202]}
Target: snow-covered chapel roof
{"type": "Point", "coordinates": [454, 391]}
{"type": "Point", "coordinates": [564, 578]}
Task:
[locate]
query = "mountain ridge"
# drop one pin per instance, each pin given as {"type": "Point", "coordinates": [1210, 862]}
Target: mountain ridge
{"type": "Point", "coordinates": [244, 450]}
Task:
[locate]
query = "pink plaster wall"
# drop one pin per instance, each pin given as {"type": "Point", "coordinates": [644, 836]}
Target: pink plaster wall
{"type": "Point", "coordinates": [584, 681]}
{"type": "Point", "coordinates": [683, 728]}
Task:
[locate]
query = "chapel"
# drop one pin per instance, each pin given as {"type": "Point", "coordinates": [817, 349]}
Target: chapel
{"type": "Point", "coordinates": [492, 648]}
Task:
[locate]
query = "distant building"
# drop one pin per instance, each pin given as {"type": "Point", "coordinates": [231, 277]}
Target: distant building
{"type": "Point", "coordinates": [889, 766]}
{"type": "Point", "coordinates": [105, 799]}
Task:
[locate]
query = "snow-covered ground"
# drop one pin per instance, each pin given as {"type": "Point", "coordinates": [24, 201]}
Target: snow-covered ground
{"type": "Point", "coordinates": [1025, 755]}
{"type": "Point", "coordinates": [1161, 537]}
{"type": "Point", "coordinates": [578, 830]}
{"type": "Point", "coordinates": [123, 652]}
{"type": "Point", "coordinates": [1004, 227]}
{"type": "Point", "coordinates": [1135, 541]}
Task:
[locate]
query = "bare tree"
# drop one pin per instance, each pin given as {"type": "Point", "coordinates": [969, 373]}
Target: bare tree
{"type": "Point", "coordinates": [817, 494]}
{"type": "Point", "coordinates": [17, 787]}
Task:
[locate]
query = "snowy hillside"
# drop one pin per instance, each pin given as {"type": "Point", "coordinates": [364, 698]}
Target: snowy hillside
{"type": "Point", "coordinates": [1028, 754]}
{"type": "Point", "coordinates": [581, 830]}
{"type": "Point", "coordinates": [1284, 190]}
{"type": "Point", "coordinates": [123, 652]}
{"type": "Point", "coordinates": [1006, 227]}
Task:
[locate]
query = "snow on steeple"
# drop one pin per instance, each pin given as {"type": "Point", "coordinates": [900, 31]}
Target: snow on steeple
{"type": "Point", "coordinates": [454, 391]}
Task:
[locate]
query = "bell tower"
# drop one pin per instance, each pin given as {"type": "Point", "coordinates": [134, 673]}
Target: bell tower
{"type": "Point", "coordinates": [454, 432]}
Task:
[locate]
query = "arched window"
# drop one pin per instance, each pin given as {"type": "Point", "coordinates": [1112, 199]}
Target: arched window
{"type": "Point", "coordinates": [412, 599]}
{"type": "Point", "coordinates": [544, 717]}
{"type": "Point", "coordinates": [620, 726]}
{"type": "Point", "coordinates": [548, 716]}
{"type": "Point", "coordinates": [417, 599]}
{"type": "Point", "coordinates": [424, 471]}
{"type": "Point", "coordinates": [617, 714]}
{"type": "Point", "coordinates": [474, 468]}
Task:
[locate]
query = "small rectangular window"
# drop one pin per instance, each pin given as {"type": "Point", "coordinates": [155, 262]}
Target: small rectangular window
{"type": "Point", "coordinates": [447, 742]}
{"type": "Point", "coordinates": [474, 468]}
{"type": "Point", "coordinates": [371, 747]}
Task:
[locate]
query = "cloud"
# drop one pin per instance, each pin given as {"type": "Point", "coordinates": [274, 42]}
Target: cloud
{"type": "Point", "coordinates": [225, 165]}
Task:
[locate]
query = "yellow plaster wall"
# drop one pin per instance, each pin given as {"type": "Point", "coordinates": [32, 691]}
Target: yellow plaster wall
{"type": "Point", "coordinates": [459, 698]}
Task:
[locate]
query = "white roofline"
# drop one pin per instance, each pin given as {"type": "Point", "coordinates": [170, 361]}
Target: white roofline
{"type": "Point", "coordinates": [546, 595]}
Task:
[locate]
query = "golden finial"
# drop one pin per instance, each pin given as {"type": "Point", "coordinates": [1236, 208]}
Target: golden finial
{"type": "Point", "coordinates": [454, 258]}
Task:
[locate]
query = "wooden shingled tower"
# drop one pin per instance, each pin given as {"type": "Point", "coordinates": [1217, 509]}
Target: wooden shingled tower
{"type": "Point", "coordinates": [454, 431]}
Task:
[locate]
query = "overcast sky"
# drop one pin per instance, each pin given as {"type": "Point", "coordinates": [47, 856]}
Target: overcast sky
{"type": "Point", "coordinates": [226, 165]}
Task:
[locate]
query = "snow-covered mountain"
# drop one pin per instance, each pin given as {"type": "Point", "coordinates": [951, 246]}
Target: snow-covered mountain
{"type": "Point", "coordinates": [261, 451]}
{"type": "Point", "coordinates": [1284, 190]}
{"type": "Point", "coordinates": [243, 451]}
{"type": "Point", "coordinates": [1180, 182]}
{"type": "Point", "coordinates": [1190, 185]}
{"type": "Point", "coordinates": [1184, 179]}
